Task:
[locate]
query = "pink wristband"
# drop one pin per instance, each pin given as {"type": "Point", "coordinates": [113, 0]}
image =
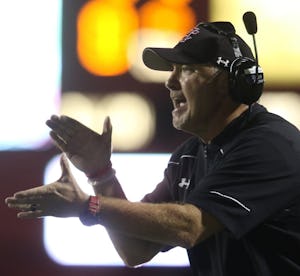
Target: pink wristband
{"type": "Point", "coordinates": [89, 216]}
{"type": "Point", "coordinates": [100, 173]}
{"type": "Point", "coordinates": [94, 205]}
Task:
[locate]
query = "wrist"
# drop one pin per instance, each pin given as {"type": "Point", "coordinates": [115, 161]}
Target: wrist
{"type": "Point", "coordinates": [100, 172]}
{"type": "Point", "coordinates": [102, 177]}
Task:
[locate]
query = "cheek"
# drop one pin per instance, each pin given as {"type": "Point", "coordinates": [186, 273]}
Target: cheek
{"type": "Point", "coordinates": [196, 92]}
{"type": "Point", "coordinates": [191, 87]}
{"type": "Point", "coordinates": [202, 100]}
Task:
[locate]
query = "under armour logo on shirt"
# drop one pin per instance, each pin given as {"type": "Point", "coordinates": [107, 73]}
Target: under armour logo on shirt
{"type": "Point", "coordinates": [184, 183]}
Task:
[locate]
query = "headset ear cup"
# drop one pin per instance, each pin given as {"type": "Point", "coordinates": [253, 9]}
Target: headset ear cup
{"type": "Point", "coordinates": [244, 88]}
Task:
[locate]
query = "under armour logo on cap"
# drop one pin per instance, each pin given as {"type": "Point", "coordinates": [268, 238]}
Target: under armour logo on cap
{"type": "Point", "coordinates": [223, 62]}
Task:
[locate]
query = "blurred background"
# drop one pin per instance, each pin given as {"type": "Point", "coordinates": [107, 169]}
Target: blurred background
{"type": "Point", "coordinates": [83, 59]}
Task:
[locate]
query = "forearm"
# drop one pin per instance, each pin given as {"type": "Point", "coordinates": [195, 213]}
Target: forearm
{"type": "Point", "coordinates": [133, 251]}
{"type": "Point", "coordinates": [140, 230]}
{"type": "Point", "coordinates": [168, 224]}
{"type": "Point", "coordinates": [139, 221]}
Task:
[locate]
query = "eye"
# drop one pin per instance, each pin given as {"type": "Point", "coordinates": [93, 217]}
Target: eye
{"type": "Point", "coordinates": [188, 69]}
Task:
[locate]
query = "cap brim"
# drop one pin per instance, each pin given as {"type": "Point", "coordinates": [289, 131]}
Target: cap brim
{"type": "Point", "coordinates": [162, 59]}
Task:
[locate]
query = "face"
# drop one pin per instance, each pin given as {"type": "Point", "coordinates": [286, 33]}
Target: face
{"type": "Point", "coordinates": [196, 92]}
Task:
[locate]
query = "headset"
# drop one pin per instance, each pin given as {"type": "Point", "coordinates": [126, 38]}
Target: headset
{"type": "Point", "coordinates": [246, 78]}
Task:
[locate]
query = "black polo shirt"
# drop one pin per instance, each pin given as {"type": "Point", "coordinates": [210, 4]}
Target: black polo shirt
{"type": "Point", "coordinates": [248, 177]}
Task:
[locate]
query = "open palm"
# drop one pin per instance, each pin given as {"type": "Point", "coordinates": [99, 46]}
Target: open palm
{"type": "Point", "coordinates": [86, 149]}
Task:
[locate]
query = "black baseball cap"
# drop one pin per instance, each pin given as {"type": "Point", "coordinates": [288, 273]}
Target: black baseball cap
{"type": "Point", "coordinates": [214, 43]}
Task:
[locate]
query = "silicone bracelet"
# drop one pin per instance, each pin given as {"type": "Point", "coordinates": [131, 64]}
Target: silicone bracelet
{"type": "Point", "coordinates": [90, 215]}
{"type": "Point", "coordinates": [99, 173]}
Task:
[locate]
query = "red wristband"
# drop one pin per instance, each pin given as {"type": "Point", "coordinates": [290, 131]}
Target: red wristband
{"type": "Point", "coordinates": [89, 216]}
{"type": "Point", "coordinates": [99, 173]}
{"type": "Point", "coordinates": [94, 205]}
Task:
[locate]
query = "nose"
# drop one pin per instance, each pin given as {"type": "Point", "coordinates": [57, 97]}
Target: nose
{"type": "Point", "coordinates": [172, 83]}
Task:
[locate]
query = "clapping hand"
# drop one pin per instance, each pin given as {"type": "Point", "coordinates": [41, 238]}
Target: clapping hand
{"type": "Point", "coordinates": [86, 149]}
{"type": "Point", "coordinates": [62, 198]}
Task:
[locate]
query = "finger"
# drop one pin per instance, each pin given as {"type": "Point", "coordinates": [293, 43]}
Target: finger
{"type": "Point", "coordinates": [71, 124]}
{"type": "Point", "coordinates": [64, 126]}
{"type": "Point", "coordinates": [64, 164]}
{"type": "Point", "coordinates": [53, 118]}
{"type": "Point", "coordinates": [54, 123]}
{"type": "Point", "coordinates": [9, 199]}
{"type": "Point", "coordinates": [31, 214]}
{"type": "Point", "coordinates": [61, 131]}
{"type": "Point", "coordinates": [28, 194]}
{"type": "Point", "coordinates": [24, 207]}
{"type": "Point", "coordinates": [58, 141]}
{"type": "Point", "coordinates": [20, 199]}
{"type": "Point", "coordinates": [65, 168]}
{"type": "Point", "coordinates": [13, 200]}
{"type": "Point", "coordinates": [33, 193]}
{"type": "Point", "coordinates": [21, 206]}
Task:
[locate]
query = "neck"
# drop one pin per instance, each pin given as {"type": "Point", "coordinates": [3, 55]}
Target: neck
{"type": "Point", "coordinates": [220, 121]}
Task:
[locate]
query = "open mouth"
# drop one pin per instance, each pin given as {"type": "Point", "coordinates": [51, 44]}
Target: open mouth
{"type": "Point", "coordinates": [179, 102]}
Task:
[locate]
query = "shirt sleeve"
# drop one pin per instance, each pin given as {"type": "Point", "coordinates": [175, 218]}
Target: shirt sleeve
{"type": "Point", "coordinates": [161, 193]}
{"type": "Point", "coordinates": [166, 191]}
{"type": "Point", "coordinates": [256, 179]}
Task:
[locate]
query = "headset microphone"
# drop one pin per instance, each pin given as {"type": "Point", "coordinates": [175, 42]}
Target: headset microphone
{"type": "Point", "coordinates": [250, 22]}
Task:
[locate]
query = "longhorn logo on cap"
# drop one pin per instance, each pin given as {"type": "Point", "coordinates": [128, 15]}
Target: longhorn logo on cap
{"type": "Point", "coordinates": [190, 35]}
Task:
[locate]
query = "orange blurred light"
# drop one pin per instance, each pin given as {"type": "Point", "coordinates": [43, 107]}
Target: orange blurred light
{"type": "Point", "coordinates": [104, 29]}
{"type": "Point", "coordinates": [173, 15]}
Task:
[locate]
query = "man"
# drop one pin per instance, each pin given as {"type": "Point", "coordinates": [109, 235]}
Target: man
{"type": "Point", "coordinates": [230, 194]}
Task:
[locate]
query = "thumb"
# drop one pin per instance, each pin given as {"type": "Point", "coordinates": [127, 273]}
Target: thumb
{"type": "Point", "coordinates": [107, 127]}
{"type": "Point", "coordinates": [65, 168]}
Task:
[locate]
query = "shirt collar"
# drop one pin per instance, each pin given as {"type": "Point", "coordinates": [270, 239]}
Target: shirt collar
{"type": "Point", "coordinates": [238, 124]}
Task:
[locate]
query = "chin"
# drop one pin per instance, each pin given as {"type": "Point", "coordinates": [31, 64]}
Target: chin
{"type": "Point", "coordinates": [186, 126]}
{"type": "Point", "coordinates": [180, 125]}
